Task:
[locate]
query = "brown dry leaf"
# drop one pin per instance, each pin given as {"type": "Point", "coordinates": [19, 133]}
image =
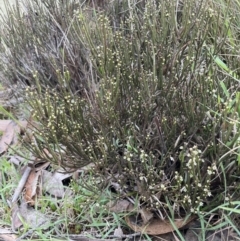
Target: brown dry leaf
{"type": "Point", "coordinates": [8, 237]}
{"type": "Point", "coordinates": [146, 215]}
{"type": "Point", "coordinates": [5, 231]}
{"type": "Point", "coordinates": [156, 226]}
{"type": "Point", "coordinates": [4, 124]}
{"type": "Point", "coordinates": [52, 184]}
{"type": "Point", "coordinates": [61, 176]}
{"type": "Point", "coordinates": [32, 189]}
{"type": "Point", "coordinates": [33, 217]}
{"type": "Point", "coordinates": [16, 222]}
{"type": "Point", "coordinates": [20, 127]}
{"type": "Point", "coordinates": [118, 232]}
{"type": "Point", "coordinates": [30, 216]}
{"type": "Point", "coordinates": [119, 206]}
{"type": "Point", "coordinates": [7, 137]}
{"type": "Point", "coordinates": [10, 133]}
{"type": "Point", "coordinates": [17, 131]}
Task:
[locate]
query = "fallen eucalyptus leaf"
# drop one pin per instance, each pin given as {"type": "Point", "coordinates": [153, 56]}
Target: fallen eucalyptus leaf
{"type": "Point", "coordinates": [156, 226]}
{"type": "Point", "coordinates": [52, 184]}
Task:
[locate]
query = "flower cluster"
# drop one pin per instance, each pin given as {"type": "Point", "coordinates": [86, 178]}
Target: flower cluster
{"type": "Point", "coordinates": [193, 183]}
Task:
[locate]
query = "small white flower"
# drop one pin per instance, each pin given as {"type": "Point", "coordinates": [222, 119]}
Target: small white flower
{"type": "Point", "coordinates": [214, 167]}
{"type": "Point", "coordinates": [209, 172]}
{"type": "Point", "coordinates": [195, 152]}
{"type": "Point", "coordinates": [163, 187]}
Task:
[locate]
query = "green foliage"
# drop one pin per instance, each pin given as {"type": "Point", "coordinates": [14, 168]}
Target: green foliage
{"type": "Point", "coordinates": [7, 186]}
{"type": "Point", "coordinates": [138, 91]}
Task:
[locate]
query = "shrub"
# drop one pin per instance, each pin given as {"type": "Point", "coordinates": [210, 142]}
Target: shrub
{"type": "Point", "coordinates": [39, 40]}
{"type": "Point", "coordinates": [135, 89]}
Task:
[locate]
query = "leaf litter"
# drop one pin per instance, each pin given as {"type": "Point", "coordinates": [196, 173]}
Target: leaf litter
{"type": "Point", "coordinates": [35, 181]}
